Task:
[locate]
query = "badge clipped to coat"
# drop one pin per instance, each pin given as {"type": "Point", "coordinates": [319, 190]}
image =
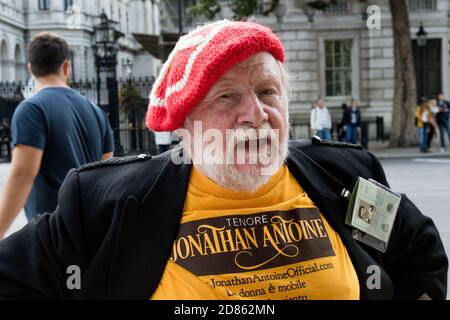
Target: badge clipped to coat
{"type": "Point", "coordinates": [371, 212]}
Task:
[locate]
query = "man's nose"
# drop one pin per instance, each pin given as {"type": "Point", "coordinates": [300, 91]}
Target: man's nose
{"type": "Point", "coordinates": [251, 111]}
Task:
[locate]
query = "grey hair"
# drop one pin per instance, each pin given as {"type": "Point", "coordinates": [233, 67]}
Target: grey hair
{"type": "Point", "coordinates": [286, 80]}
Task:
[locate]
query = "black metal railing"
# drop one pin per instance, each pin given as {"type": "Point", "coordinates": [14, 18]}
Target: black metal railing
{"type": "Point", "coordinates": [132, 105]}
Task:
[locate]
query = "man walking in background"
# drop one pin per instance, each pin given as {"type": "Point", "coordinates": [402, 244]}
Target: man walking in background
{"type": "Point", "coordinates": [54, 131]}
{"type": "Point", "coordinates": [352, 122]}
{"type": "Point", "coordinates": [442, 119]}
{"type": "Point", "coordinates": [321, 120]}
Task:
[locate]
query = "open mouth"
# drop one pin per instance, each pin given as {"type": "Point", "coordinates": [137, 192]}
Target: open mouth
{"type": "Point", "coordinates": [256, 144]}
{"type": "Point", "coordinates": [260, 147]}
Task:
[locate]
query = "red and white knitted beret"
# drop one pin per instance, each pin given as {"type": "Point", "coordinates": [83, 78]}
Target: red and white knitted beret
{"type": "Point", "coordinates": [198, 60]}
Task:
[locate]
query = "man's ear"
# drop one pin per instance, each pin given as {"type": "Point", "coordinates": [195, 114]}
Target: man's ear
{"type": "Point", "coordinates": [29, 69]}
{"type": "Point", "coordinates": [184, 131]}
{"type": "Point", "coordinates": [66, 68]}
{"type": "Point", "coordinates": [183, 134]}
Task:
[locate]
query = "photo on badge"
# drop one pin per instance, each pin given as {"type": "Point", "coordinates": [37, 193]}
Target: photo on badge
{"type": "Point", "coordinates": [366, 212]}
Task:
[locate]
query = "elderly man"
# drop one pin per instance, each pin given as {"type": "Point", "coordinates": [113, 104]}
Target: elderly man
{"type": "Point", "coordinates": [236, 212]}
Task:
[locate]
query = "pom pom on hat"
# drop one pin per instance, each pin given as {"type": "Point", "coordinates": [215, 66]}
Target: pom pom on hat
{"type": "Point", "coordinates": [198, 60]}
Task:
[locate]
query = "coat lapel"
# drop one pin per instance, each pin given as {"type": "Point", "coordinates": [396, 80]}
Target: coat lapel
{"type": "Point", "coordinates": [146, 233]}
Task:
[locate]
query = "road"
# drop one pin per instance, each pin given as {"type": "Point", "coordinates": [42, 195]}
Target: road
{"type": "Point", "coordinates": [425, 181]}
{"type": "Point", "coordinates": [427, 184]}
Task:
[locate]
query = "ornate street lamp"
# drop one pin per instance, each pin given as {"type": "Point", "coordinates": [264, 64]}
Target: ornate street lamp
{"type": "Point", "coordinates": [421, 43]}
{"type": "Point", "coordinates": [105, 52]}
{"type": "Point", "coordinates": [421, 36]}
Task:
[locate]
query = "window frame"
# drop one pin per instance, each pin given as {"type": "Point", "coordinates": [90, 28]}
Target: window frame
{"type": "Point", "coordinates": [340, 71]}
{"type": "Point", "coordinates": [421, 5]}
{"type": "Point", "coordinates": [67, 4]}
{"type": "Point", "coordinates": [338, 8]}
{"type": "Point", "coordinates": [355, 65]}
{"type": "Point", "coordinates": [44, 5]}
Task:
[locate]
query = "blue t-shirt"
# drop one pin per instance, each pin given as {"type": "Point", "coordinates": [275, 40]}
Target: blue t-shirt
{"type": "Point", "coordinates": [71, 132]}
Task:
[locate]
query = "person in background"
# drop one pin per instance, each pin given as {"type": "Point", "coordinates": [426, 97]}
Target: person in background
{"type": "Point", "coordinates": [341, 125]}
{"type": "Point", "coordinates": [54, 131]}
{"type": "Point", "coordinates": [320, 121]}
{"type": "Point", "coordinates": [434, 107]}
{"type": "Point", "coordinates": [442, 119]}
{"type": "Point", "coordinates": [352, 122]}
{"type": "Point", "coordinates": [163, 141]}
{"type": "Point", "coordinates": [424, 119]}
{"type": "Point", "coordinates": [5, 140]}
{"type": "Point", "coordinates": [432, 126]}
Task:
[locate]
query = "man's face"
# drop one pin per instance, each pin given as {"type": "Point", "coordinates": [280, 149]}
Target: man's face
{"type": "Point", "coordinates": [320, 103]}
{"type": "Point", "coordinates": [363, 213]}
{"type": "Point", "coordinates": [441, 97]}
{"type": "Point", "coordinates": [247, 98]}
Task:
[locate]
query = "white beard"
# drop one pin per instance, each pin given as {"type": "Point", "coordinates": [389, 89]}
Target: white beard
{"type": "Point", "coordinates": [255, 176]}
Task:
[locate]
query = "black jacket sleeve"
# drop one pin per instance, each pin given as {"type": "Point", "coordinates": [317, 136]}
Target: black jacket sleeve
{"type": "Point", "coordinates": [34, 261]}
{"type": "Point", "coordinates": [415, 259]}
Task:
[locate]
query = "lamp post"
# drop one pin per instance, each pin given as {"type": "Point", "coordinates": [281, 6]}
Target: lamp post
{"type": "Point", "coordinates": [421, 43]}
{"type": "Point", "coordinates": [105, 52]}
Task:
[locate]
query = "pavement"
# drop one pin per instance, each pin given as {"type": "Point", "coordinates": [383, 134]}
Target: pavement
{"type": "Point", "coordinates": [426, 181]}
{"type": "Point", "coordinates": [382, 151]}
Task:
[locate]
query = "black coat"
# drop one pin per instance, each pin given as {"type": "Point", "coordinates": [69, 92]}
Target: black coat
{"type": "Point", "coordinates": [347, 117]}
{"type": "Point", "coordinates": [117, 221]}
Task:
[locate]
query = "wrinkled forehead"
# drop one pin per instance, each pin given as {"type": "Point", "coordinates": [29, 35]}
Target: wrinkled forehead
{"type": "Point", "coordinates": [260, 66]}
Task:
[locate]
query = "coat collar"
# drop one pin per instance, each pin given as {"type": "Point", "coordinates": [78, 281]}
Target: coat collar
{"type": "Point", "coordinates": [147, 229]}
{"type": "Point", "coordinates": [146, 232]}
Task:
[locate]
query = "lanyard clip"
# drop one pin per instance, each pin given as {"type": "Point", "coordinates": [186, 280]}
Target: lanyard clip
{"type": "Point", "coordinates": [346, 193]}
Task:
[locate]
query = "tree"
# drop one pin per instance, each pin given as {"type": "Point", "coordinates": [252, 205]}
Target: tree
{"type": "Point", "coordinates": [242, 9]}
{"type": "Point", "coordinates": [403, 132]}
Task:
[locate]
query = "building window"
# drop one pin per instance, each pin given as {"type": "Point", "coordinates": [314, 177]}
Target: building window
{"type": "Point", "coordinates": [67, 4]}
{"type": "Point", "coordinates": [338, 67]}
{"type": "Point", "coordinates": [44, 4]}
{"type": "Point", "coordinates": [341, 7]}
{"type": "Point", "coordinates": [422, 5]}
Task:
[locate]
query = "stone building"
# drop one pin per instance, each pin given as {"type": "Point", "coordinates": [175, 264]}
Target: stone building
{"type": "Point", "coordinates": [332, 54]}
{"type": "Point", "coordinates": [335, 55]}
{"type": "Point", "coordinates": [20, 20]}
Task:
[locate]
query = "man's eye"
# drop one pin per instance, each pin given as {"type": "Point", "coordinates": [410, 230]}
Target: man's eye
{"type": "Point", "coordinates": [226, 96]}
{"type": "Point", "coordinates": [267, 92]}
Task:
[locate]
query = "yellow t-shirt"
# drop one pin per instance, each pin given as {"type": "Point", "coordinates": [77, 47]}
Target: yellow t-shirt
{"type": "Point", "coordinates": [271, 244]}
